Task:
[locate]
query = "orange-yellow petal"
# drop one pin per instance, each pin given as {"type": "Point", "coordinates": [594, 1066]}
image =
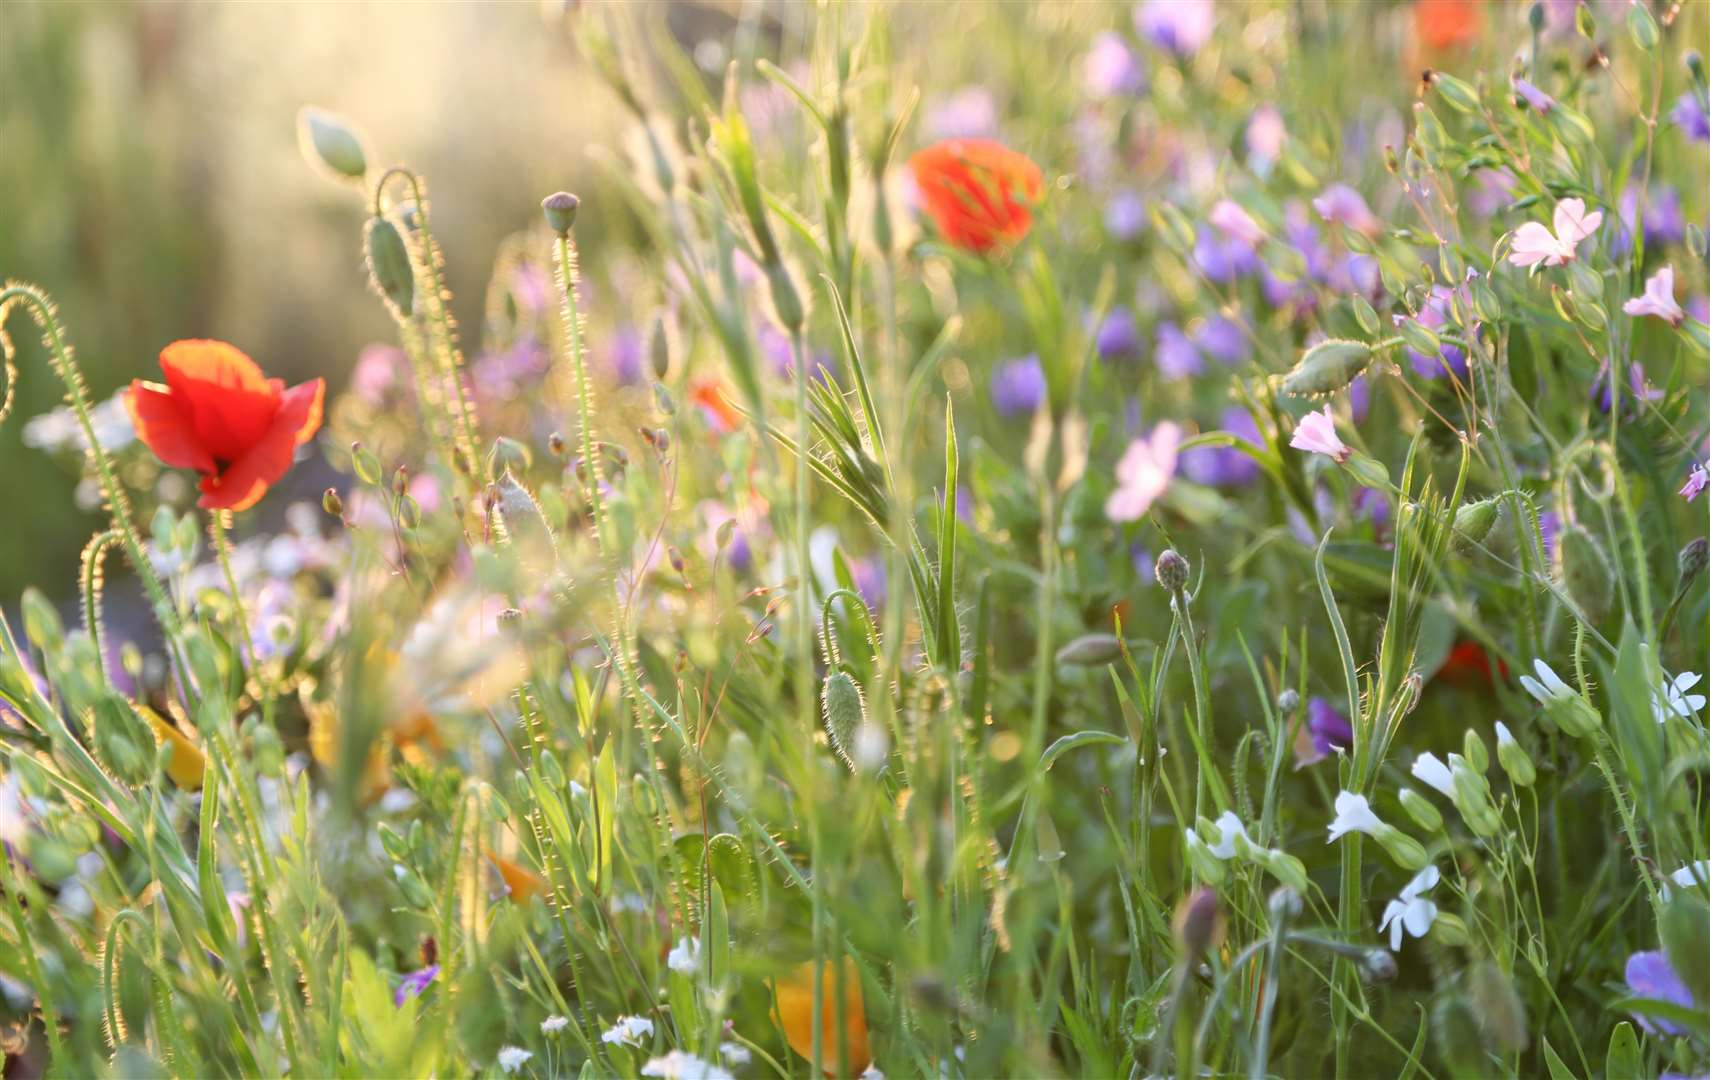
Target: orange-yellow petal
{"type": "Point", "coordinates": [524, 884]}
{"type": "Point", "coordinates": [795, 1015]}
{"type": "Point", "coordinates": [187, 763]}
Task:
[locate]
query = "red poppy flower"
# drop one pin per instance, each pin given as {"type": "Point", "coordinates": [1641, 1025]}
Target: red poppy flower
{"type": "Point", "coordinates": [1445, 24]}
{"type": "Point", "coordinates": [979, 193]}
{"type": "Point", "coordinates": [218, 414]}
{"type": "Point", "coordinates": [715, 407]}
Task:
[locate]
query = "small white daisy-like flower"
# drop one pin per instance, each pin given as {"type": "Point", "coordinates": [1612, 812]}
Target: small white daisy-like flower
{"type": "Point", "coordinates": [678, 1065]}
{"type": "Point", "coordinates": [552, 1025]}
{"type": "Point", "coordinates": [685, 956]}
{"type": "Point", "coordinates": [1228, 828]}
{"type": "Point", "coordinates": [1548, 687]}
{"type": "Point", "coordinates": [628, 1031]}
{"type": "Point", "coordinates": [1410, 913]}
{"type": "Point", "coordinates": [735, 1053]}
{"type": "Point", "coordinates": [1430, 769]}
{"type": "Point", "coordinates": [1673, 699]}
{"type": "Point", "coordinates": [1354, 814]}
{"type": "Point", "coordinates": [512, 1058]}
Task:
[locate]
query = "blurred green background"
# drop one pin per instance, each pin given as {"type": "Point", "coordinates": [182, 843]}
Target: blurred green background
{"type": "Point", "coordinates": [154, 187]}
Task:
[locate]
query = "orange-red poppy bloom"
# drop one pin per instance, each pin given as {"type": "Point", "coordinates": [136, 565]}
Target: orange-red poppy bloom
{"type": "Point", "coordinates": [795, 1015]}
{"type": "Point", "coordinates": [715, 406]}
{"type": "Point", "coordinates": [980, 194]}
{"type": "Point", "coordinates": [1447, 24]}
{"type": "Point", "coordinates": [218, 414]}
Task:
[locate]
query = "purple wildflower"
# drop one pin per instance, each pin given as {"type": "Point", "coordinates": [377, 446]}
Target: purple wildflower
{"type": "Point", "coordinates": [1111, 69]}
{"type": "Point", "coordinates": [1326, 730]}
{"type": "Point", "coordinates": [1174, 355]}
{"type": "Point", "coordinates": [1689, 115]}
{"type": "Point", "coordinates": [1434, 315]}
{"type": "Point", "coordinates": [1696, 482]}
{"type": "Point", "coordinates": [1225, 466]}
{"type": "Point", "coordinates": [1118, 335]}
{"type": "Point", "coordinates": [1549, 525]}
{"type": "Point", "coordinates": [1144, 564]}
{"type": "Point", "coordinates": [1372, 504]}
{"type": "Point", "coordinates": [1535, 99]}
{"type": "Point", "coordinates": [415, 984]}
{"type": "Point", "coordinates": [1664, 222]}
{"type": "Point", "coordinates": [1342, 205]}
{"type": "Point", "coordinates": [1223, 259]}
{"type": "Point", "coordinates": [969, 113]}
{"type": "Point", "coordinates": [1650, 975]}
{"type": "Point", "coordinates": [1181, 27]}
{"type": "Point", "coordinates": [1125, 214]}
{"type": "Point", "coordinates": [1221, 339]}
{"type": "Point", "coordinates": [1603, 386]}
{"type": "Point", "coordinates": [1018, 386]}
{"type": "Point", "coordinates": [623, 356]}
{"type": "Point", "coordinates": [869, 575]}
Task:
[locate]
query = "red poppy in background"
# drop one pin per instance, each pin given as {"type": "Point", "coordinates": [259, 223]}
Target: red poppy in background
{"type": "Point", "coordinates": [1445, 24]}
{"type": "Point", "coordinates": [218, 414]}
{"type": "Point", "coordinates": [715, 407]}
{"type": "Point", "coordinates": [1469, 664]}
{"type": "Point", "coordinates": [979, 193]}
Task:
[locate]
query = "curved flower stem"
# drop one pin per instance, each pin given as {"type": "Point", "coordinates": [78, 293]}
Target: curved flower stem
{"type": "Point", "coordinates": [464, 435]}
{"type": "Point", "coordinates": [93, 554]}
{"type": "Point", "coordinates": [118, 502]}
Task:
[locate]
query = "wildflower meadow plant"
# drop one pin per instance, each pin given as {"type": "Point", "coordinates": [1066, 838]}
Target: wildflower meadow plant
{"type": "Point", "coordinates": [918, 568]}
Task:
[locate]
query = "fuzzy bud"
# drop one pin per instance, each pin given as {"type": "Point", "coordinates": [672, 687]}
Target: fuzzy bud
{"type": "Point", "coordinates": [845, 711]}
{"type": "Point", "coordinates": [389, 265]}
{"type": "Point", "coordinates": [1473, 523]}
{"type": "Point", "coordinates": [330, 141]}
{"type": "Point", "coordinates": [560, 210]}
{"type": "Point", "coordinates": [1090, 650]}
{"type": "Point", "coordinates": [1288, 701]}
{"type": "Point", "coordinates": [1693, 558]}
{"type": "Point", "coordinates": [1172, 571]}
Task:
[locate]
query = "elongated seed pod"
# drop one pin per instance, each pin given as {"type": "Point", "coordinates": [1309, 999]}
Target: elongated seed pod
{"type": "Point", "coordinates": [1327, 367]}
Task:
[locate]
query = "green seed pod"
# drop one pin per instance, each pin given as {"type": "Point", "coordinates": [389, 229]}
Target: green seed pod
{"type": "Point", "coordinates": [1406, 851]}
{"type": "Point", "coordinates": [786, 301]}
{"type": "Point", "coordinates": [1370, 472]}
{"type": "Point", "coordinates": [1473, 522]}
{"type": "Point", "coordinates": [1420, 338]}
{"type": "Point", "coordinates": [1419, 808]}
{"type": "Point", "coordinates": [393, 843]}
{"type": "Point", "coordinates": [1473, 747]}
{"type": "Point", "coordinates": [845, 712]}
{"type": "Point", "coordinates": [1365, 315]}
{"type": "Point", "coordinates": [415, 890]}
{"type": "Point", "coordinates": [1692, 560]}
{"type": "Point", "coordinates": [389, 269]}
{"type": "Point", "coordinates": [1428, 131]}
{"type": "Point", "coordinates": [1457, 92]}
{"type": "Point", "coordinates": [1642, 25]}
{"type": "Point", "coordinates": [327, 140]}
{"type": "Point", "coordinates": [560, 210]}
{"type": "Point", "coordinates": [1485, 304]}
{"type": "Point", "coordinates": [1327, 367]}
{"type": "Point", "coordinates": [331, 503]}
{"type": "Point", "coordinates": [1449, 930]}
{"type": "Point", "coordinates": [1583, 571]}
{"type": "Point", "coordinates": [1472, 798]}
{"type": "Point", "coordinates": [365, 464]}
{"type": "Point", "coordinates": [508, 455]}
{"type": "Point", "coordinates": [1515, 761]}
{"type": "Point", "coordinates": [659, 347]}
{"type": "Point", "coordinates": [1685, 931]}
{"type": "Point", "coordinates": [1090, 650]}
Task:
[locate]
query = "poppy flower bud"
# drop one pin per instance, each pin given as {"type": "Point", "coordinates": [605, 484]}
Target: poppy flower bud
{"type": "Point", "coordinates": [1172, 571]}
{"type": "Point", "coordinates": [1419, 808]}
{"type": "Point", "coordinates": [560, 210]}
{"type": "Point", "coordinates": [1198, 924]}
{"type": "Point", "coordinates": [389, 265]}
{"type": "Point", "coordinates": [327, 139]}
{"type": "Point", "coordinates": [1693, 558]}
{"type": "Point", "coordinates": [1535, 17]}
{"type": "Point", "coordinates": [509, 455]}
{"type": "Point", "coordinates": [331, 503]}
{"type": "Point", "coordinates": [1327, 367]}
{"type": "Point", "coordinates": [659, 347]}
{"type": "Point", "coordinates": [845, 711]}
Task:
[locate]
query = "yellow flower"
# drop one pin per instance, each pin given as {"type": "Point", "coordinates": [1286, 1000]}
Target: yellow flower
{"type": "Point", "coordinates": [795, 1015]}
{"type": "Point", "coordinates": [186, 764]}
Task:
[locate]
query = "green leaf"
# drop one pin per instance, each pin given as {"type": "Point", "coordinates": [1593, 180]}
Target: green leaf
{"type": "Point", "coordinates": [1623, 1058]}
{"type": "Point", "coordinates": [1558, 1068]}
{"type": "Point", "coordinates": [949, 632]}
{"type": "Point", "coordinates": [1074, 742]}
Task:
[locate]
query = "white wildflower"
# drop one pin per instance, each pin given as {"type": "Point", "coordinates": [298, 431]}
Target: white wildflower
{"type": "Point", "coordinates": [1673, 698]}
{"type": "Point", "coordinates": [1430, 769]}
{"type": "Point", "coordinates": [512, 1058]}
{"type": "Point", "coordinates": [1354, 814]}
{"type": "Point", "coordinates": [685, 956]}
{"type": "Point", "coordinates": [678, 1065]}
{"type": "Point", "coordinates": [1228, 828]}
{"type": "Point", "coordinates": [1410, 913]}
{"type": "Point", "coordinates": [628, 1031]}
{"type": "Point", "coordinates": [552, 1025]}
{"type": "Point", "coordinates": [1689, 876]}
{"type": "Point", "coordinates": [1548, 687]}
{"type": "Point", "coordinates": [735, 1053]}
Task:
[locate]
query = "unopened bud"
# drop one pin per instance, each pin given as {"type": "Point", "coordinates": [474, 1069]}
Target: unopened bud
{"type": "Point", "coordinates": [1471, 797]}
{"type": "Point", "coordinates": [1090, 650]}
{"type": "Point", "coordinates": [1198, 924]}
{"type": "Point", "coordinates": [1419, 808]}
{"type": "Point", "coordinates": [555, 443]}
{"type": "Point", "coordinates": [1406, 851]}
{"type": "Point", "coordinates": [1288, 701]}
{"type": "Point", "coordinates": [1693, 558]}
{"type": "Point", "coordinates": [1513, 757]}
{"type": "Point", "coordinates": [327, 139]}
{"type": "Point", "coordinates": [331, 503]}
{"type": "Point", "coordinates": [1473, 748]}
{"type": "Point", "coordinates": [389, 265]}
{"type": "Point", "coordinates": [560, 210]}
{"type": "Point", "coordinates": [401, 480]}
{"type": "Point", "coordinates": [1378, 965]}
{"type": "Point", "coordinates": [1172, 571]}
{"type": "Point", "coordinates": [659, 347]}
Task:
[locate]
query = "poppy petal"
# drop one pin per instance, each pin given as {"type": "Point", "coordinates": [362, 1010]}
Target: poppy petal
{"type": "Point", "coordinates": [228, 400]}
{"type": "Point", "coordinates": [163, 427]}
{"type": "Point", "coordinates": [247, 479]}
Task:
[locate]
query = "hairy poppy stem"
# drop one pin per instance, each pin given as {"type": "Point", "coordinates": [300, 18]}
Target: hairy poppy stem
{"type": "Point", "coordinates": [119, 505]}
